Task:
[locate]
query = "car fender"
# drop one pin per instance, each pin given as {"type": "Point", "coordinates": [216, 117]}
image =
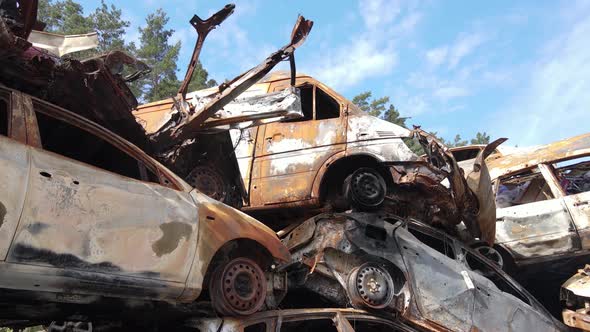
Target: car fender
{"type": "Point", "coordinates": [218, 225]}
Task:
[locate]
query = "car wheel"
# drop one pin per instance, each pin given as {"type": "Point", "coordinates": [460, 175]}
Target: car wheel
{"type": "Point", "coordinates": [370, 285]}
{"type": "Point", "coordinates": [491, 254]}
{"type": "Point", "coordinates": [365, 189]}
{"type": "Point", "coordinates": [209, 181]}
{"type": "Point", "coordinates": [238, 287]}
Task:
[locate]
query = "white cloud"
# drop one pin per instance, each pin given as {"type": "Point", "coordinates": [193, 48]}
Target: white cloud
{"type": "Point", "coordinates": [370, 52]}
{"type": "Point", "coordinates": [379, 13]}
{"type": "Point", "coordinates": [186, 37]}
{"type": "Point", "coordinates": [555, 103]}
{"type": "Point", "coordinates": [450, 92]}
{"type": "Point", "coordinates": [463, 46]}
{"type": "Point", "coordinates": [365, 59]}
{"type": "Point", "coordinates": [437, 56]}
{"type": "Point", "coordinates": [453, 53]}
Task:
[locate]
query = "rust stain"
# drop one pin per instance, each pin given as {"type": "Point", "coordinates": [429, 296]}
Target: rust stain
{"type": "Point", "coordinates": [172, 232]}
{"type": "Point", "coordinates": [523, 158]}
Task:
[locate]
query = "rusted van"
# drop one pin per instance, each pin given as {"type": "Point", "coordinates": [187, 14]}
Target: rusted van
{"type": "Point", "coordinates": [300, 162]}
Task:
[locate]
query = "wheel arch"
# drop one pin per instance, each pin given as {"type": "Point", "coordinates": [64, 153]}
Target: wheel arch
{"type": "Point", "coordinates": [339, 166]}
{"type": "Point", "coordinates": [220, 227]}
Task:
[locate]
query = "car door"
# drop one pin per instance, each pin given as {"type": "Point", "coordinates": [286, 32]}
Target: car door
{"type": "Point", "coordinates": [511, 309]}
{"type": "Point", "coordinates": [289, 153]}
{"type": "Point", "coordinates": [244, 141]}
{"type": "Point", "coordinates": [14, 166]}
{"type": "Point", "coordinates": [573, 176]}
{"type": "Point", "coordinates": [95, 205]}
{"type": "Point", "coordinates": [532, 220]}
{"type": "Point", "coordinates": [442, 287]}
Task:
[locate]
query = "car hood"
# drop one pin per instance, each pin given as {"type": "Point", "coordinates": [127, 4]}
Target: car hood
{"type": "Point", "coordinates": [364, 127]}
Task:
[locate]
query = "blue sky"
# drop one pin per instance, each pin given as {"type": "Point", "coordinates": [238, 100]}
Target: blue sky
{"type": "Point", "coordinates": [513, 69]}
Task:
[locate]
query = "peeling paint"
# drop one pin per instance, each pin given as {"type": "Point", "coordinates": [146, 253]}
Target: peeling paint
{"type": "Point", "coordinates": [172, 233]}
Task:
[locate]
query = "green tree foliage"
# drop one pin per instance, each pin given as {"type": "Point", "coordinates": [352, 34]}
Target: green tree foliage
{"type": "Point", "coordinates": [457, 141]}
{"type": "Point", "coordinates": [481, 138]}
{"type": "Point", "coordinates": [64, 17]}
{"type": "Point", "coordinates": [67, 17]}
{"type": "Point", "coordinates": [374, 107]}
{"type": "Point", "coordinates": [201, 79]}
{"type": "Point", "coordinates": [110, 26]}
{"type": "Point", "coordinates": [157, 52]}
{"type": "Point", "coordinates": [155, 49]}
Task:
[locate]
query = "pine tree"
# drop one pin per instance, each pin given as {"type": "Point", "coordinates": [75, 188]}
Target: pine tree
{"type": "Point", "coordinates": [201, 79]}
{"type": "Point", "coordinates": [157, 52]}
{"type": "Point", "coordinates": [110, 26]}
{"type": "Point", "coordinates": [481, 138]}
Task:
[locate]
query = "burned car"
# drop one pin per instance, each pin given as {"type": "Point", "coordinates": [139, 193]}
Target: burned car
{"type": "Point", "coordinates": [432, 188]}
{"type": "Point", "coordinates": [542, 195]}
{"type": "Point", "coordinates": [296, 162]}
{"type": "Point", "coordinates": [575, 296]}
{"type": "Point", "coordinates": [304, 320]}
{"type": "Point", "coordinates": [384, 263]}
{"type": "Point", "coordinates": [86, 215]}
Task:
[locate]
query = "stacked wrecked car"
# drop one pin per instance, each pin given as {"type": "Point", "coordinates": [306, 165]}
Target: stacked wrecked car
{"type": "Point", "coordinates": [112, 210]}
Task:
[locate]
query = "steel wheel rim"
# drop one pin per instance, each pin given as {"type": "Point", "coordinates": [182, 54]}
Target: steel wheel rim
{"type": "Point", "coordinates": [207, 181]}
{"type": "Point", "coordinates": [367, 188]}
{"type": "Point", "coordinates": [371, 286]}
{"type": "Point", "coordinates": [241, 288]}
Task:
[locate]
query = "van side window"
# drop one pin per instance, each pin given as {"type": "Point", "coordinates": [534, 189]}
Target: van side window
{"type": "Point", "coordinates": [4, 114]}
{"type": "Point", "coordinates": [63, 138]}
{"type": "Point", "coordinates": [325, 106]}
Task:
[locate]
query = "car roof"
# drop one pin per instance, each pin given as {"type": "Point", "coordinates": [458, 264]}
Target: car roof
{"type": "Point", "coordinates": [525, 158]}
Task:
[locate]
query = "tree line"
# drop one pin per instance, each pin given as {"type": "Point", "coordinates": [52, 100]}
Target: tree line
{"type": "Point", "coordinates": [154, 47]}
{"type": "Point", "coordinates": [382, 108]}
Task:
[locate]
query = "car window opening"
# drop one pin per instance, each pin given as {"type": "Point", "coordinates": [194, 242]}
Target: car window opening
{"type": "Point", "coordinates": [371, 326]}
{"type": "Point", "coordinates": [574, 175]}
{"type": "Point", "coordinates": [523, 188]}
{"type": "Point", "coordinates": [437, 244]}
{"type": "Point", "coordinates": [477, 265]}
{"type": "Point", "coordinates": [309, 325]}
{"type": "Point", "coordinates": [465, 154]}
{"type": "Point", "coordinates": [259, 327]}
{"type": "Point", "coordinates": [326, 106]}
{"type": "Point", "coordinates": [70, 141]}
{"type": "Point", "coordinates": [306, 93]}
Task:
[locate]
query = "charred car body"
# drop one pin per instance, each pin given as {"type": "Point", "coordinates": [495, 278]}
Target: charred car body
{"type": "Point", "coordinates": [382, 262]}
{"type": "Point", "coordinates": [542, 195]}
{"type": "Point", "coordinates": [575, 295]}
{"type": "Point", "coordinates": [304, 320]}
{"type": "Point", "coordinates": [86, 215]}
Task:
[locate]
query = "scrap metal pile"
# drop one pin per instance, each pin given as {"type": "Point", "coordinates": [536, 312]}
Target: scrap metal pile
{"type": "Point", "coordinates": [101, 227]}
